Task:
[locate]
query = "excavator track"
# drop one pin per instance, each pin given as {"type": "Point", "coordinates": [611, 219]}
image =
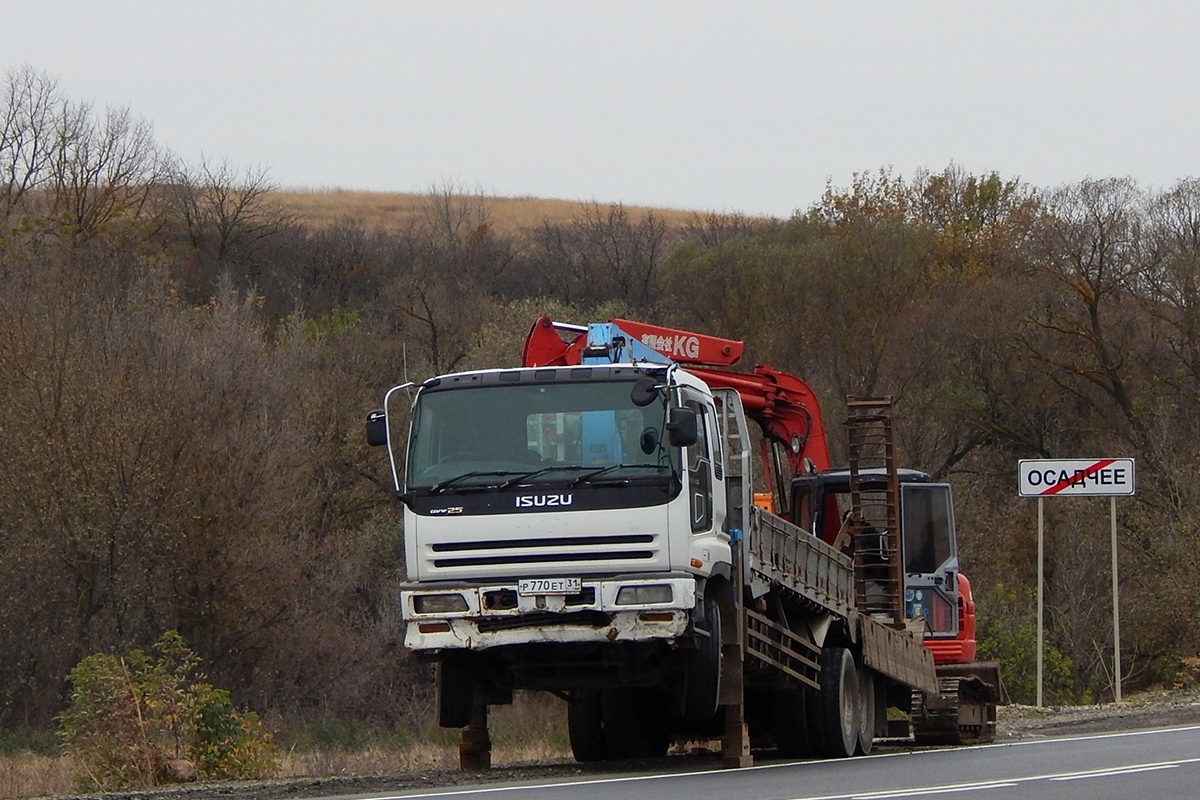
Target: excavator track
{"type": "Point", "coordinates": [964, 709]}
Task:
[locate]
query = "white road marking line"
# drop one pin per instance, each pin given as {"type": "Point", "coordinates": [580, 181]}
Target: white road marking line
{"type": "Point", "coordinates": [1107, 772]}
{"type": "Point", "coordinates": [1001, 783]}
{"type": "Point", "coordinates": [973, 787]}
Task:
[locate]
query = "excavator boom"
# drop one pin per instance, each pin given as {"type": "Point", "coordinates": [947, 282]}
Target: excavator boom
{"type": "Point", "coordinates": [782, 404]}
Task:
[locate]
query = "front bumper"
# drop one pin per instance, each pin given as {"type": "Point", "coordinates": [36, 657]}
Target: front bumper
{"type": "Point", "coordinates": [495, 615]}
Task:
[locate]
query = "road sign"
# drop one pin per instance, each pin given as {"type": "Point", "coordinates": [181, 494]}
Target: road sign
{"type": "Point", "coordinates": [1098, 477]}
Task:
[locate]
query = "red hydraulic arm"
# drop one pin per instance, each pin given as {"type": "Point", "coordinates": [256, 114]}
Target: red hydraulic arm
{"type": "Point", "coordinates": [782, 404]}
{"type": "Point", "coordinates": [544, 346]}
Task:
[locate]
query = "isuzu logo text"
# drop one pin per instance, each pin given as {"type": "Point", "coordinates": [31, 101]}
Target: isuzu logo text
{"type": "Point", "coordinates": [543, 500]}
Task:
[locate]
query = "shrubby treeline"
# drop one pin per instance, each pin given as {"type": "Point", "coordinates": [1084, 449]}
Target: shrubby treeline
{"type": "Point", "coordinates": [186, 369]}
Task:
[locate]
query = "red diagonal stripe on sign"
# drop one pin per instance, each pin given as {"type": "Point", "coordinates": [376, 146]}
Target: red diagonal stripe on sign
{"type": "Point", "coordinates": [1078, 476]}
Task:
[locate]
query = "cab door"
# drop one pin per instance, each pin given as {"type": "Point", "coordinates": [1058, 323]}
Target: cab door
{"type": "Point", "coordinates": [930, 557]}
{"type": "Point", "coordinates": [708, 501]}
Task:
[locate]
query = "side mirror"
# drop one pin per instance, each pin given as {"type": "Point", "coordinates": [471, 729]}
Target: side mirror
{"type": "Point", "coordinates": [681, 428]}
{"type": "Point", "coordinates": [377, 433]}
{"type": "Point", "coordinates": [644, 392]}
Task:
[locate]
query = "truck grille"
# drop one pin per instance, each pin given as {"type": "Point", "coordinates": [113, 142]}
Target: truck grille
{"type": "Point", "coordinates": [502, 552]}
{"type": "Point", "coordinates": [591, 619]}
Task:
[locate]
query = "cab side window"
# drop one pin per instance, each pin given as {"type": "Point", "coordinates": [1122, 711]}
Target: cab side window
{"type": "Point", "coordinates": [700, 478]}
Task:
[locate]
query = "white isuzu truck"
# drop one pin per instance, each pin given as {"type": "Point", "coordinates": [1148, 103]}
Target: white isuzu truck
{"type": "Point", "coordinates": [591, 524]}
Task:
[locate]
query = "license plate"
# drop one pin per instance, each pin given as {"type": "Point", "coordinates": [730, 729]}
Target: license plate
{"type": "Point", "coordinates": [531, 586]}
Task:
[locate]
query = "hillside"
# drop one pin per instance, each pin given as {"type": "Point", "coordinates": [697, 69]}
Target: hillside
{"type": "Point", "coordinates": [393, 211]}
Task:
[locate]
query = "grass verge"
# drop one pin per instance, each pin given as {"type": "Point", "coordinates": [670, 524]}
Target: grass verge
{"type": "Point", "coordinates": [531, 730]}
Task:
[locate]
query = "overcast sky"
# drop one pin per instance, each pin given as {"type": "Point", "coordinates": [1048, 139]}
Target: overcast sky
{"type": "Point", "coordinates": [735, 106]}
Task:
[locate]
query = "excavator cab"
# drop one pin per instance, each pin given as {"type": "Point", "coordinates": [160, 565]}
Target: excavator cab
{"type": "Point", "coordinates": [929, 558]}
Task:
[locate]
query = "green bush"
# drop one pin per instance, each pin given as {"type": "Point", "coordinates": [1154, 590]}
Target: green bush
{"type": "Point", "coordinates": [1008, 634]}
{"type": "Point", "coordinates": [132, 716]}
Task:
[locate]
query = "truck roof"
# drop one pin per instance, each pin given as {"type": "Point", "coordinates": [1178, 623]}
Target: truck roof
{"type": "Point", "coordinates": [518, 375]}
{"type": "Point", "coordinates": [838, 480]}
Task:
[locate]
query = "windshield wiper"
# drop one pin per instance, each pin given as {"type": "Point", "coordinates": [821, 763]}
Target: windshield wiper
{"type": "Point", "coordinates": [591, 476]}
{"type": "Point", "coordinates": [535, 473]}
{"type": "Point", "coordinates": [449, 482]}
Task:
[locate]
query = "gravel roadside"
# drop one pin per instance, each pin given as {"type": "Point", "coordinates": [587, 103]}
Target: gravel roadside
{"type": "Point", "coordinates": [1151, 710]}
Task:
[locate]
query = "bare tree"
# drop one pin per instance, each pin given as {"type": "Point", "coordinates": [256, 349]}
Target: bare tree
{"type": "Point", "coordinates": [453, 215]}
{"type": "Point", "coordinates": [714, 229]}
{"type": "Point", "coordinates": [601, 254]}
{"type": "Point", "coordinates": [1172, 287]}
{"type": "Point", "coordinates": [1091, 245]}
{"type": "Point", "coordinates": [446, 273]}
{"type": "Point", "coordinates": [105, 167]}
{"type": "Point", "coordinates": [29, 107]}
{"type": "Point", "coordinates": [224, 210]}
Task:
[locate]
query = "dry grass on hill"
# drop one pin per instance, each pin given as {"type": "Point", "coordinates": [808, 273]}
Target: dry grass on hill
{"type": "Point", "coordinates": [394, 211]}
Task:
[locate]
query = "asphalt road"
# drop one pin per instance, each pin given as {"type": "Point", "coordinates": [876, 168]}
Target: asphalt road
{"type": "Point", "coordinates": [1137, 765]}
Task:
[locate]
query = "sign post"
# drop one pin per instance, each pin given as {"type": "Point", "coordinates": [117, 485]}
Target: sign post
{"type": "Point", "coordinates": [1041, 584]}
{"type": "Point", "coordinates": [1116, 611]}
{"type": "Point", "coordinates": [1103, 477]}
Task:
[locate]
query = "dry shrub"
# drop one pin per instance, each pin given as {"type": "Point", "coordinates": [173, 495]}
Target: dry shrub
{"type": "Point", "coordinates": [131, 717]}
{"type": "Point", "coordinates": [1188, 675]}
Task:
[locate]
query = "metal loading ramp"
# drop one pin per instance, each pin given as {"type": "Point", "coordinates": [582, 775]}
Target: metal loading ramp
{"type": "Point", "coordinates": [787, 556]}
{"type": "Point", "coordinates": [790, 559]}
{"type": "Point", "coordinates": [793, 560]}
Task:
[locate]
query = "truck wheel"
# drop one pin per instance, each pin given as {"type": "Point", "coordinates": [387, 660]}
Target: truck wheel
{"type": "Point", "coordinates": [789, 707]}
{"type": "Point", "coordinates": [455, 691]}
{"type": "Point", "coordinates": [585, 726]}
{"type": "Point", "coordinates": [635, 723]}
{"type": "Point", "coordinates": [837, 704]}
{"type": "Point", "coordinates": [866, 710]}
{"type": "Point", "coordinates": [702, 677]}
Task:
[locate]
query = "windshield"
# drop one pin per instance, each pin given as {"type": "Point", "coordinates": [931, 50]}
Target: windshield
{"type": "Point", "coordinates": [928, 528]}
{"type": "Point", "coordinates": [497, 436]}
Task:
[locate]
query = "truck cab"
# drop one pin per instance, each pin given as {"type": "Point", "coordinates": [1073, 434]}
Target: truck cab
{"type": "Point", "coordinates": [563, 526]}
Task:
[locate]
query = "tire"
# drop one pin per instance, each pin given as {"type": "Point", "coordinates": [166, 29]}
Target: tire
{"type": "Point", "coordinates": [635, 723]}
{"type": "Point", "coordinates": [585, 726]}
{"type": "Point", "coordinates": [789, 709]}
{"type": "Point", "coordinates": [702, 675]}
{"type": "Point", "coordinates": [455, 691]}
{"type": "Point", "coordinates": [837, 704]}
{"type": "Point", "coordinates": [866, 710]}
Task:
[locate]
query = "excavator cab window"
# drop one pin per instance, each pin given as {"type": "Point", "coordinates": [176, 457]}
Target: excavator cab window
{"type": "Point", "coordinates": [928, 531]}
{"type": "Point", "coordinates": [930, 558]}
{"type": "Point", "coordinates": [817, 508]}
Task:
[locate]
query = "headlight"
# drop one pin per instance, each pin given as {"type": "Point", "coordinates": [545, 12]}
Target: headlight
{"type": "Point", "coordinates": [439, 603]}
{"type": "Point", "coordinates": [644, 595]}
